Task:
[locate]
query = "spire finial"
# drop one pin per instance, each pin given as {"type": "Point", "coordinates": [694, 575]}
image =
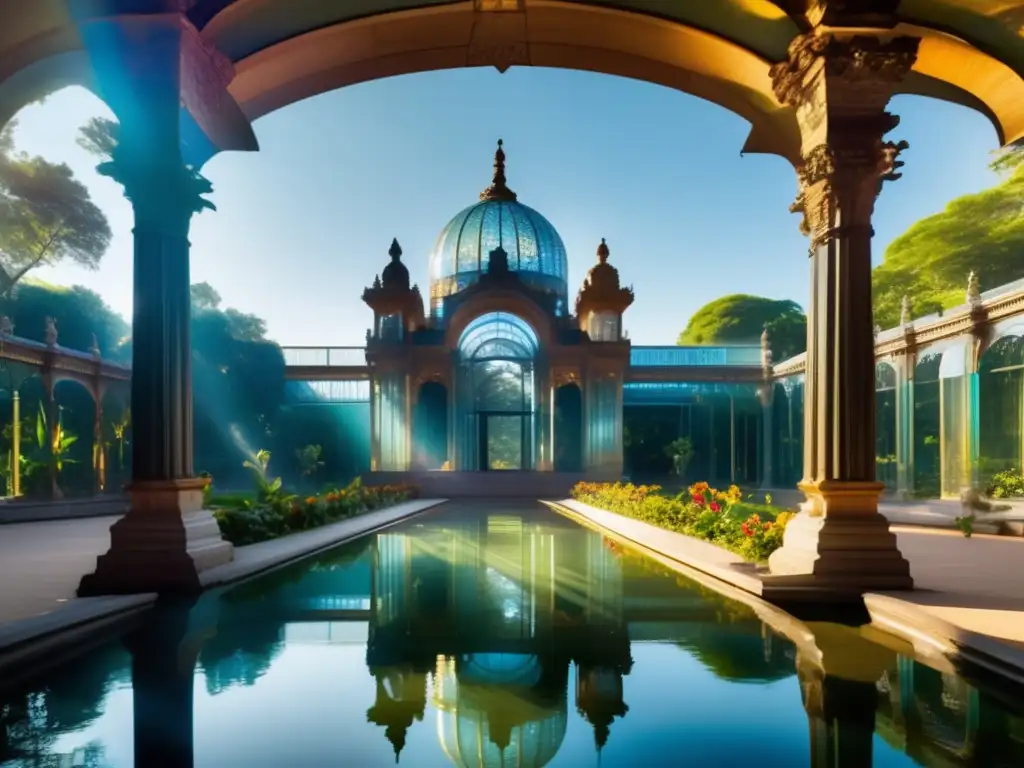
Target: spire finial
{"type": "Point", "coordinates": [499, 186]}
{"type": "Point", "coordinates": [395, 251]}
{"type": "Point", "coordinates": [603, 252]}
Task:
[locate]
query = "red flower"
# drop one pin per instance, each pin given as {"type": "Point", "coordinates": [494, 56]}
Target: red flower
{"type": "Point", "coordinates": [715, 507]}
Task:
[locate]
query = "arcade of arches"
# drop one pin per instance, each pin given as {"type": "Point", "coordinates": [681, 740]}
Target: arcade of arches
{"type": "Point", "coordinates": [186, 77]}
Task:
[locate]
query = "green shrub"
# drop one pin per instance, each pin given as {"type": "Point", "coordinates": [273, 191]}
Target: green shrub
{"type": "Point", "coordinates": [248, 520]}
{"type": "Point", "coordinates": [1006, 484]}
{"type": "Point", "coordinates": [752, 531]}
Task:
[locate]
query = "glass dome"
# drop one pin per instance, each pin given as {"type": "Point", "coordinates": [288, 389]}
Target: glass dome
{"type": "Point", "coordinates": [490, 725]}
{"type": "Point", "coordinates": [462, 252]}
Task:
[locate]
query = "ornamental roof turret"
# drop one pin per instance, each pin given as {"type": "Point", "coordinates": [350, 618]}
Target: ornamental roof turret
{"type": "Point", "coordinates": [602, 290]}
{"type": "Point", "coordinates": [391, 293]}
{"type": "Point", "coordinates": [395, 274]}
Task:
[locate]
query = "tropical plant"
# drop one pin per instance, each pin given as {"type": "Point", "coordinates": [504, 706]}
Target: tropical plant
{"type": "Point", "coordinates": [120, 428]}
{"type": "Point", "coordinates": [267, 488]}
{"type": "Point", "coordinates": [309, 459]}
{"type": "Point", "coordinates": [680, 451]}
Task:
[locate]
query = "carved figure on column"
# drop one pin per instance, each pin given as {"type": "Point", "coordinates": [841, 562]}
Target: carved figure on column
{"type": "Point", "coordinates": [6, 326]}
{"type": "Point", "coordinates": [51, 332]}
{"type": "Point", "coordinates": [94, 348]}
{"type": "Point", "coordinates": [973, 290]}
{"type": "Point", "coordinates": [766, 349]}
{"type": "Point", "coordinates": [844, 157]}
{"type": "Point", "coordinates": [905, 311]}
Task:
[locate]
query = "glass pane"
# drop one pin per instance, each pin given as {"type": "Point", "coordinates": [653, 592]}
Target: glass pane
{"type": "Point", "coordinates": [926, 426]}
{"type": "Point", "coordinates": [468, 258]}
{"type": "Point", "coordinates": [505, 442]}
{"type": "Point", "coordinates": [885, 425]}
{"type": "Point", "coordinates": [1001, 385]}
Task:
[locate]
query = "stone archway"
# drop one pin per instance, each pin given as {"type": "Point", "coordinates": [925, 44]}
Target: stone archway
{"type": "Point", "coordinates": [813, 83]}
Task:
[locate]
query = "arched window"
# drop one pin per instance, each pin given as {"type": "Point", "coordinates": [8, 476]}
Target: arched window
{"type": "Point", "coordinates": [495, 412]}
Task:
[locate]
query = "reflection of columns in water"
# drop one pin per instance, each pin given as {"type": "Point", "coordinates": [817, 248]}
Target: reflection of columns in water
{"type": "Point", "coordinates": [164, 654]}
{"type": "Point", "coordinates": [841, 715]}
{"type": "Point", "coordinates": [604, 588]}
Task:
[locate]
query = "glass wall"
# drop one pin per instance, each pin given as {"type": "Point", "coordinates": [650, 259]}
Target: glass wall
{"type": "Point", "coordinates": [885, 425]}
{"type": "Point", "coordinates": [723, 422]}
{"type": "Point", "coordinates": [1001, 386]}
{"type": "Point", "coordinates": [568, 428]}
{"type": "Point", "coordinates": [927, 421]}
{"type": "Point", "coordinates": [390, 327]}
{"type": "Point", "coordinates": [390, 413]}
{"type": "Point", "coordinates": [495, 415]}
{"type": "Point", "coordinates": [603, 326]}
{"type": "Point", "coordinates": [604, 423]}
{"type": "Point", "coordinates": [955, 433]}
{"type": "Point", "coordinates": [788, 431]}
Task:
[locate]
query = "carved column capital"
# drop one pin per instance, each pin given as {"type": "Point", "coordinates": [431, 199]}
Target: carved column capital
{"type": "Point", "coordinates": [839, 88]}
{"type": "Point", "coordinates": [871, 65]}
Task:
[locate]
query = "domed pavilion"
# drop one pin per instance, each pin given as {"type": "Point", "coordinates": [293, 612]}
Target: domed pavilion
{"type": "Point", "coordinates": [472, 381]}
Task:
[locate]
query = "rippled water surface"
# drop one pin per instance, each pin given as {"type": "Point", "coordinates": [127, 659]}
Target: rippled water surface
{"type": "Point", "coordinates": [493, 635]}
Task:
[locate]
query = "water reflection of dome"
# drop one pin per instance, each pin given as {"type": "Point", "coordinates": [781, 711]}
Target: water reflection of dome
{"type": "Point", "coordinates": [486, 717]}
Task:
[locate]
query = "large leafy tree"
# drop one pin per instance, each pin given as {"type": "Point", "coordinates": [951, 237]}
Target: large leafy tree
{"type": "Point", "coordinates": [930, 262]}
{"type": "Point", "coordinates": [741, 318]}
{"type": "Point", "coordinates": [46, 216]}
{"type": "Point", "coordinates": [204, 296]}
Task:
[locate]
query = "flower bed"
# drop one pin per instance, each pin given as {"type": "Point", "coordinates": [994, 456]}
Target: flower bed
{"type": "Point", "coordinates": [703, 512]}
{"type": "Point", "coordinates": [274, 514]}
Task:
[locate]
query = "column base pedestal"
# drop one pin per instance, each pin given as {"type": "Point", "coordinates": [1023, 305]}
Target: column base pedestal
{"type": "Point", "coordinates": [162, 544]}
{"type": "Point", "coordinates": [840, 541]}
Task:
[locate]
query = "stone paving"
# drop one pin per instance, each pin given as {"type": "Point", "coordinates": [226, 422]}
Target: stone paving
{"type": "Point", "coordinates": [42, 563]}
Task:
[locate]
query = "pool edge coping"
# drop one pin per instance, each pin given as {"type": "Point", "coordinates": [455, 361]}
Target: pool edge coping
{"type": "Point", "coordinates": [703, 574]}
{"type": "Point", "coordinates": [928, 637]}
{"type": "Point", "coordinates": [23, 641]}
{"type": "Point", "coordinates": [933, 636]}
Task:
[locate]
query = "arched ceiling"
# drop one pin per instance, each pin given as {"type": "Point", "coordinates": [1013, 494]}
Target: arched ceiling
{"type": "Point", "coordinates": [972, 51]}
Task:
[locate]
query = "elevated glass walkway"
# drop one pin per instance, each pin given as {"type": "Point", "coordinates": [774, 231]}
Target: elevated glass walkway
{"type": "Point", "coordinates": [657, 375]}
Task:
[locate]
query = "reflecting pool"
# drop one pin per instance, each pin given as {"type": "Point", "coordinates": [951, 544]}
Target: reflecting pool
{"type": "Point", "coordinates": [493, 635]}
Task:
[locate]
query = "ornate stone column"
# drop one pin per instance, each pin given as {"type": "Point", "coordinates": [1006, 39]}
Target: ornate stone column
{"type": "Point", "coordinates": [166, 538]}
{"type": "Point", "coordinates": [839, 88]}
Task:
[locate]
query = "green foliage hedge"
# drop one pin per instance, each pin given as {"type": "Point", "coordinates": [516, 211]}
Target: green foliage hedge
{"type": "Point", "coordinates": [701, 511]}
{"type": "Point", "coordinates": [247, 520]}
{"type": "Point", "coordinates": [1006, 484]}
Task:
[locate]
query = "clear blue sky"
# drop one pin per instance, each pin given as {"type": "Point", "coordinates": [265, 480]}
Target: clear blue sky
{"type": "Point", "coordinates": [305, 223]}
